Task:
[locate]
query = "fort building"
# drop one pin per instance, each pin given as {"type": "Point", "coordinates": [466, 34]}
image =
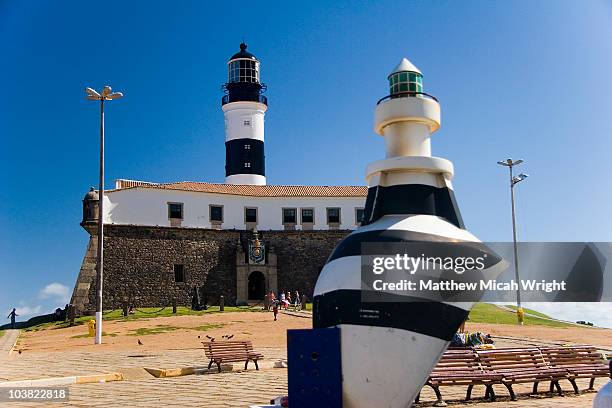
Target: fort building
{"type": "Point", "coordinates": [167, 243]}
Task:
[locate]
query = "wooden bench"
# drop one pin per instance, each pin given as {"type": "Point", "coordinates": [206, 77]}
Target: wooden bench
{"type": "Point", "coordinates": [461, 367]}
{"type": "Point", "coordinates": [522, 365]}
{"type": "Point", "coordinates": [220, 352]}
{"type": "Point", "coordinates": [580, 361]}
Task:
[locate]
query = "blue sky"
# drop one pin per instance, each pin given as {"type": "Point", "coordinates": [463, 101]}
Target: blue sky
{"type": "Point", "coordinates": [515, 79]}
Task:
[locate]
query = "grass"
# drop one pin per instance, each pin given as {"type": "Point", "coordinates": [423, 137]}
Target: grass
{"type": "Point", "coordinates": [141, 313]}
{"type": "Point", "coordinates": [206, 327]}
{"type": "Point", "coordinates": [530, 311]}
{"type": "Point", "coordinates": [481, 313]}
{"type": "Point", "coordinates": [151, 312]}
{"type": "Point", "coordinates": [1, 333]}
{"type": "Point", "coordinates": [161, 328]}
{"type": "Point", "coordinates": [488, 313]}
{"type": "Point", "coordinates": [82, 336]}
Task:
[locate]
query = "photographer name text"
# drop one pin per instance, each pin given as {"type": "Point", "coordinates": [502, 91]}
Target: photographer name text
{"type": "Point", "coordinates": [482, 285]}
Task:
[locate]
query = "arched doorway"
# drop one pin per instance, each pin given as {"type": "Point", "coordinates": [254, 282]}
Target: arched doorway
{"type": "Point", "coordinates": [257, 285]}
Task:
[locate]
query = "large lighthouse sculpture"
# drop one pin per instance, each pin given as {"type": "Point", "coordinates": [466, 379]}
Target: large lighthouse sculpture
{"type": "Point", "coordinates": [244, 108]}
{"type": "Point", "coordinates": [389, 347]}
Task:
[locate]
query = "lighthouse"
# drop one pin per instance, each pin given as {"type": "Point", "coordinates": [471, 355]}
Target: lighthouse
{"type": "Point", "coordinates": [244, 108]}
{"type": "Point", "coordinates": [389, 345]}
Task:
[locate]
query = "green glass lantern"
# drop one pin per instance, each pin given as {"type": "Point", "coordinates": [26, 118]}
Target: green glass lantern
{"type": "Point", "coordinates": [405, 80]}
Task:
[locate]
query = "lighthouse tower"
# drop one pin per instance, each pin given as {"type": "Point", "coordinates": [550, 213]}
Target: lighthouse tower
{"type": "Point", "coordinates": [391, 339]}
{"type": "Point", "coordinates": [244, 108]}
{"type": "Point", "coordinates": [409, 180]}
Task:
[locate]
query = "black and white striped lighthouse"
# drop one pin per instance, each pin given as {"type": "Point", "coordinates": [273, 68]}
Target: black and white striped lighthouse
{"type": "Point", "coordinates": [244, 108]}
{"type": "Point", "coordinates": [390, 340]}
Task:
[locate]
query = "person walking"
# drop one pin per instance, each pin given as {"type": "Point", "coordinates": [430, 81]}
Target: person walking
{"type": "Point", "coordinates": [297, 305]}
{"type": "Point", "coordinates": [275, 309]}
{"type": "Point", "coordinates": [272, 298]}
{"type": "Point", "coordinates": [12, 316]}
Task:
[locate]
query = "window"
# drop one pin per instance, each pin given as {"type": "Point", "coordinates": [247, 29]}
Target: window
{"type": "Point", "coordinates": [247, 147]}
{"type": "Point", "coordinates": [250, 215]}
{"type": "Point", "coordinates": [405, 81]}
{"type": "Point", "coordinates": [175, 211]}
{"type": "Point", "coordinates": [243, 70]}
{"type": "Point", "coordinates": [307, 215]}
{"type": "Point", "coordinates": [216, 213]}
{"type": "Point", "coordinates": [247, 165]}
{"type": "Point", "coordinates": [333, 215]}
{"type": "Point", "coordinates": [179, 273]}
{"type": "Point", "coordinates": [289, 215]}
{"type": "Point", "coordinates": [246, 123]}
{"type": "Point", "coordinates": [359, 213]}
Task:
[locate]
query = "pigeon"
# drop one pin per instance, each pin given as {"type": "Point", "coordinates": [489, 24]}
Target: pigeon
{"type": "Point", "coordinates": [139, 342]}
{"type": "Point", "coordinates": [19, 351]}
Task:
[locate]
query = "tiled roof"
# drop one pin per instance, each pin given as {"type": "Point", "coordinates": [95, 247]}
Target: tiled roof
{"type": "Point", "coordinates": [251, 190]}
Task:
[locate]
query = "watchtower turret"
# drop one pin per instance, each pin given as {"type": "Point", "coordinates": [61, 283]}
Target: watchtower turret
{"type": "Point", "coordinates": [90, 208]}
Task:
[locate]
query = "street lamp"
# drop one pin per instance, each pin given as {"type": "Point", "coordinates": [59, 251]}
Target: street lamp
{"type": "Point", "coordinates": [107, 94]}
{"type": "Point", "coordinates": [514, 180]}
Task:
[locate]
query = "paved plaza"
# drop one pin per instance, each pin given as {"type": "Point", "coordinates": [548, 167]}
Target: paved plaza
{"type": "Point", "coordinates": [57, 364]}
{"type": "Point", "coordinates": [240, 389]}
{"type": "Point", "coordinates": [237, 388]}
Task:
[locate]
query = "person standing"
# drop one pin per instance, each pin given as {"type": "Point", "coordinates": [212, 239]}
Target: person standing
{"type": "Point", "coordinates": [12, 316]}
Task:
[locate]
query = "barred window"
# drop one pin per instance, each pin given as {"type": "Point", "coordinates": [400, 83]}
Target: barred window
{"type": "Point", "coordinates": [216, 213]}
{"type": "Point", "coordinates": [175, 210]}
{"type": "Point", "coordinates": [307, 215]}
{"type": "Point", "coordinates": [250, 215]}
{"type": "Point", "coordinates": [289, 215]}
{"type": "Point", "coordinates": [333, 215]}
{"type": "Point", "coordinates": [359, 213]}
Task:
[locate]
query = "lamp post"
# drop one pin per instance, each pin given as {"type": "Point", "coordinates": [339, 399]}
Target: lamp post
{"type": "Point", "coordinates": [514, 180]}
{"type": "Point", "coordinates": [105, 95]}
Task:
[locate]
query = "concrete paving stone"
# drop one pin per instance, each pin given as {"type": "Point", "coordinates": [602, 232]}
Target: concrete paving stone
{"type": "Point", "coordinates": [233, 389]}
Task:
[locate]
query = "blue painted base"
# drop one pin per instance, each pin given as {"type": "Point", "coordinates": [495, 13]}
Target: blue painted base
{"type": "Point", "coordinates": [315, 368]}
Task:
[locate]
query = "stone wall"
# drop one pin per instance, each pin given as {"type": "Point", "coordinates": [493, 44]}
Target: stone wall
{"type": "Point", "coordinates": [139, 260]}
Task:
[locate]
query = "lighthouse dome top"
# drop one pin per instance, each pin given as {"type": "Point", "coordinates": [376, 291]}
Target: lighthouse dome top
{"type": "Point", "coordinates": [243, 54]}
{"type": "Point", "coordinates": [405, 80]}
{"type": "Point", "coordinates": [405, 66]}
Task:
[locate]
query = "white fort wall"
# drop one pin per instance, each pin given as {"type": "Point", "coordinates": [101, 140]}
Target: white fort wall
{"type": "Point", "coordinates": [149, 207]}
